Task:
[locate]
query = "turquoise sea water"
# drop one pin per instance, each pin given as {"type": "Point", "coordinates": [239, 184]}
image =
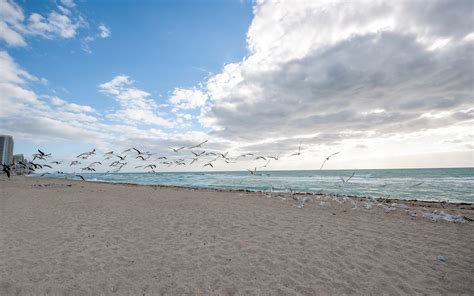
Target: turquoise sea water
{"type": "Point", "coordinates": [453, 184]}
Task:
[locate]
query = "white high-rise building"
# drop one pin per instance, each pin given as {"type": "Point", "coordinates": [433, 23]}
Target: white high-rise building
{"type": "Point", "coordinates": [6, 149]}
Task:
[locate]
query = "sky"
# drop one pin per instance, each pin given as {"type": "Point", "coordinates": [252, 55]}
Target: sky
{"type": "Point", "coordinates": [387, 84]}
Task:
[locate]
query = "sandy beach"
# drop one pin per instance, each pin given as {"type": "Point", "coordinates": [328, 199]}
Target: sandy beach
{"type": "Point", "coordinates": [81, 238]}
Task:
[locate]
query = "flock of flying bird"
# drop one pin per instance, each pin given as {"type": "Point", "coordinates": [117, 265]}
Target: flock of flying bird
{"type": "Point", "coordinates": [151, 161]}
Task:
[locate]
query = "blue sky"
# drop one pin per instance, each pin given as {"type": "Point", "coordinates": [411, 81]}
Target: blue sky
{"type": "Point", "coordinates": [386, 84]}
{"type": "Point", "coordinates": [161, 44]}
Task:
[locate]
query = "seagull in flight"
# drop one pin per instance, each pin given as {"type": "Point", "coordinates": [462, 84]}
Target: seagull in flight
{"type": "Point", "coordinates": [86, 154]}
{"type": "Point", "coordinates": [138, 151]}
{"type": "Point", "coordinates": [296, 153]}
{"type": "Point", "coordinates": [36, 165]}
{"type": "Point", "coordinates": [142, 158]}
{"type": "Point", "coordinates": [223, 155]}
{"type": "Point", "coordinates": [121, 157]}
{"type": "Point", "coordinates": [74, 162]}
{"type": "Point", "coordinates": [327, 158]}
{"type": "Point", "coordinates": [274, 157]}
{"type": "Point", "coordinates": [44, 154]}
{"type": "Point", "coordinates": [198, 145]}
{"type": "Point", "coordinates": [208, 164]}
{"type": "Point", "coordinates": [252, 172]}
{"type": "Point", "coordinates": [177, 149]}
{"type": "Point", "coordinates": [244, 155]}
{"type": "Point", "coordinates": [198, 154]}
{"type": "Point", "coordinates": [347, 180]}
{"type": "Point", "coordinates": [41, 155]}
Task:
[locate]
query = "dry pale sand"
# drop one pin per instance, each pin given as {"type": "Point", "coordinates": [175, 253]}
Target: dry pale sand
{"type": "Point", "coordinates": [77, 238]}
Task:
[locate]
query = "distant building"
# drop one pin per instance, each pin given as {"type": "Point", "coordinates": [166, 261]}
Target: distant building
{"type": "Point", "coordinates": [19, 169]}
{"type": "Point", "coordinates": [17, 158]}
{"type": "Point", "coordinates": [6, 149]}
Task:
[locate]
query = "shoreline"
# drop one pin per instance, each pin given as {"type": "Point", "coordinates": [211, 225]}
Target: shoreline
{"type": "Point", "coordinates": [358, 197]}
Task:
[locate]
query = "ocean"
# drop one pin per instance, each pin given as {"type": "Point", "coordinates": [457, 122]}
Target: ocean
{"type": "Point", "coordinates": [443, 184]}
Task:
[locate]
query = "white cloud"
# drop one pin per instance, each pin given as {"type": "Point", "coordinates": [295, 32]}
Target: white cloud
{"type": "Point", "coordinates": [188, 98]}
{"type": "Point", "coordinates": [70, 106]}
{"type": "Point", "coordinates": [324, 66]}
{"type": "Point", "coordinates": [25, 113]}
{"type": "Point", "coordinates": [55, 24]}
{"type": "Point", "coordinates": [68, 3]}
{"type": "Point", "coordinates": [61, 22]}
{"type": "Point", "coordinates": [43, 118]}
{"type": "Point", "coordinates": [11, 18]}
{"type": "Point", "coordinates": [85, 43]}
{"type": "Point", "coordinates": [104, 31]}
{"type": "Point", "coordinates": [136, 105]}
{"type": "Point", "coordinates": [13, 90]}
{"type": "Point", "coordinates": [10, 36]}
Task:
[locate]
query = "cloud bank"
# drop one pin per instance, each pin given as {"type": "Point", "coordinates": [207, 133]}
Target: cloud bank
{"type": "Point", "coordinates": [346, 68]}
